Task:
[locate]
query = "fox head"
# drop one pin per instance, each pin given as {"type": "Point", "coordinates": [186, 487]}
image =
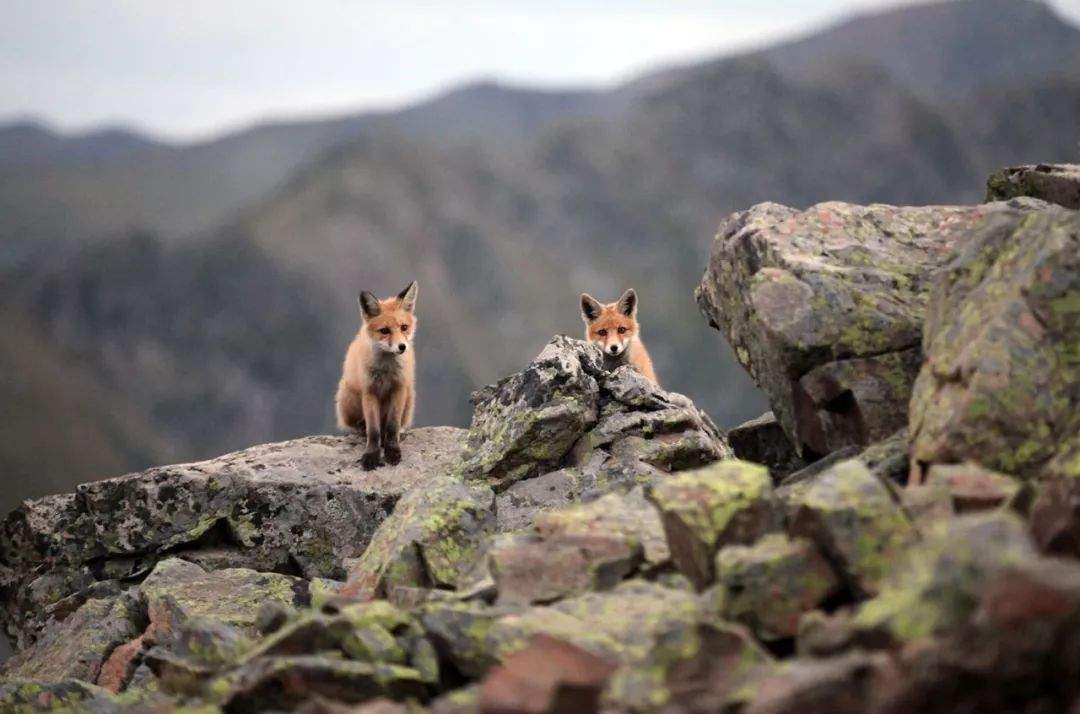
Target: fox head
{"type": "Point", "coordinates": [389, 324]}
{"type": "Point", "coordinates": [613, 326]}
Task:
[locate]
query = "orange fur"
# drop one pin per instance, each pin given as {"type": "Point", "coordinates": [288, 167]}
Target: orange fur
{"type": "Point", "coordinates": [614, 326]}
{"type": "Point", "coordinates": [377, 391]}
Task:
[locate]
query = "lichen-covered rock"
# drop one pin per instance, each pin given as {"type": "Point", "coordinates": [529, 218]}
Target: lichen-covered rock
{"type": "Point", "coordinates": [1055, 517]}
{"type": "Point", "coordinates": [432, 539]}
{"type": "Point", "coordinates": [970, 487]}
{"type": "Point", "coordinates": [1056, 183]}
{"type": "Point", "coordinates": [76, 647]}
{"type": "Point", "coordinates": [769, 585]}
{"type": "Point", "coordinates": [847, 684]}
{"type": "Point", "coordinates": [616, 428]}
{"type": "Point", "coordinates": [233, 596]}
{"type": "Point", "coordinates": [824, 308]}
{"type": "Point", "coordinates": [855, 521]}
{"type": "Point", "coordinates": [72, 695]}
{"type": "Point", "coordinates": [763, 441]}
{"type": "Point", "coordinates": [529, 421]}
{"type": "Point", "coordinates": [936, 588]}
{"type": "Point", "coordinates": [726, 503]}
{"type": "Point", "coordinates": [702, 668]}
{"type": "Point", "coordinates": [305, 504]}
{"type": "Point", "coordinates": [1001, 379]}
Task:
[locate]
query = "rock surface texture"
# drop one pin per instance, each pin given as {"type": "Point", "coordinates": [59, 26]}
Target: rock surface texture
{"type": "Point", "coordinates": [592, 543]}
{"type": "Point", "coordinates": [1056, 183]}
{"type": "Point", "coordinates": [824, 308]}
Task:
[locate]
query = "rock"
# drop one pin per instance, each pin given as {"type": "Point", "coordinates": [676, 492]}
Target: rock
{"type": "Point", "coordinates": [936, 588]}
{"type": "Point", "coordinates": [824, 308]}
{"type": "Point", "coordinates": [1056, 183]}
{"type": "Point", "coordinates": [704, 668]}
{"type": "Point", "coordinates": [847, 684]}
{"type": "Point", "coordinates": [531, 569]}
{"type": "Point", "coordinates": [302, 505]}
{"type": "Point", "coordinates": [54, 696]}
{"type": "Point", "coordinates": [588, 546]}
{"type": "Point", "coordinates": [518, 504]}
{"type": "Point", "coordinates": [726, 503]}
{"type": "Point", "coordinates": [855, 521]}
{"type": "Point", "coordinates": [531, 419]}
{"type": "Point", "coordinates": [432, 539]}
{"type": "Point", "coordinates": [617, 429]}
{"type": "Point", "coordinates": [823, 634]}
{"type": "Point", "coordinates": [548, 676]}
{"type": "Point", "coordinates": [973, 488]}
{"type": "Point", "coordinates": [76, 647]}
{"type": "Point", "coordinates": [234, 596]}
{"type": "Point", "coordinates": [285, 682]}
{"type": "Point", "coordinates": [769, 585]}
{"type": "Point", "coordinates": [1001, 379]}
{"type": "Point", "coordinates": [763, 441]}
{"type": "Point", "coordinates": [1055, 518]}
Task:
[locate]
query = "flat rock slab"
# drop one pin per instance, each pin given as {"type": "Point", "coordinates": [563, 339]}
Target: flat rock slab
{"type": "Point", "coordinates": [1056, 183]}
{"type": "Point", "coordinates": [824, 308]}
{"type": "Point", "coordinates": [301, 507]}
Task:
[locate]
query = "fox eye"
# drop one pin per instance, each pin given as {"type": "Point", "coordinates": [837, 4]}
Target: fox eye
{"type": "Point", "coordinates": [404, 328]}
{"type": "Point", "coordinates": [622, 330]}
{"type": "Point", "coordinates": [384, 330]}
{"type": "Point", "coordinates": [602, 333]}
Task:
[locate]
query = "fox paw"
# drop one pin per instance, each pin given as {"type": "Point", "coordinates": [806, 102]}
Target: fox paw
{"type": "Point", "coordinates": [370, 460]}
{"type": "Point", "coordinates": [392, 454]}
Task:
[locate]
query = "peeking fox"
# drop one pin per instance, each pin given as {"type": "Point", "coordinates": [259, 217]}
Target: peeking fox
{"type": "Point", "coordinates": [614, 327]}
{"type": "Point", "coordinates": [378, 384]}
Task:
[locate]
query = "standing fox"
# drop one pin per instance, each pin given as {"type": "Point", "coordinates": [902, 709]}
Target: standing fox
{"type": "Point", "coordinates": [378, 384]}
{"type": "Point", "coordinates": [614, 327]}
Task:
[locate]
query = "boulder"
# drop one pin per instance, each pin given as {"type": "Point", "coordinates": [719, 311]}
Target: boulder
{"type": "Point", "coordinates": [763, 441]}
{"type": "Point", "coordinates": [432, 539]}
{"type": "Point", "coordinates": [970, 487]}
{"type": "Point", "coordinates": [1056, 183]}
{"type": "Point", "coordinates": [767, 586]}
{"type": "Point", "coordinates": [824, 308]}
{"type": "Point", "coordinates": [76, 647]}
{"type": "Point", "coordinates": [729, 502]}
{"type": "Point", "coordinates": [1055, 517]}
{"type": "Point", "coordinates": [856, 522]}
{"type": "Point", "coordinates": [234, 596]}
{"type": "Point", "coordinates": [297, 506]}
{"type": "Point", "coordinates": [936, 588]}
{"type": "Point", "coordinates": [846, 684]}
{"type": "Point", "coordinates": [1001, 378]}
{"type": "Point", "coordinates": [616, 429]}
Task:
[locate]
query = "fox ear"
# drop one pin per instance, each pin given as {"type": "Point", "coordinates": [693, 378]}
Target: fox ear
{"type": "Point", "coordinates": [408, 296]}
{"type": "Point", "coordinates": [628, 303]}
{"type": "Point", "coordinates": [369, 305]}
{"type": "Point", "coordinates": [590, 307]}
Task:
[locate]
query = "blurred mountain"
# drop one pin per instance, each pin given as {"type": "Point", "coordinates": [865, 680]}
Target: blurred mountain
{"type": "Point", "coordinates": [29, 144]}
{"type": "Point", "coordinates": [213, 285]}
{"type": "Point", "coordinates": [945, 51]}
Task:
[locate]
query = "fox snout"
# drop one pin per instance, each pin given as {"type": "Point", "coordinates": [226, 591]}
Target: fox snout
{"type": "Point", "coordinates": [615, 349]}
{"type": "Point", "coordinates": [402, 346]}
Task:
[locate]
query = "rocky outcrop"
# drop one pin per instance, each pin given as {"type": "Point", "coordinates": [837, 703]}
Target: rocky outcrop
{"type": "Point", "coordinates": [763, 441]}
{"type": "Point", "coordinates": [1000, 383]}
{"type": "Point", "coordinates": [565, 410]}
{"type": "Point", "coordinates": [1056, 183]}
{"type": "Point", "coordinates": [824, 308]}
{"type": "Point", "coordinates": [302, 507]}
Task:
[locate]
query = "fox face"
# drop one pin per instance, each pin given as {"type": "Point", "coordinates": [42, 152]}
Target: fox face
{"type": "Point", "coordinates": [390, 324]}
{"type": "Point", "coordinates": [613, 326]}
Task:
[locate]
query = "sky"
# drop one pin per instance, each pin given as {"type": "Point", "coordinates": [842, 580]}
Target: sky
{"type": "Point", "coordinates": [189, 70]}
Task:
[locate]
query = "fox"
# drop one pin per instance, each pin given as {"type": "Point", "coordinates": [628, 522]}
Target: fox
{"type": "Point", "coordinates": [377, 391]}
{"type": "Point", "coordinates": [614, 327]}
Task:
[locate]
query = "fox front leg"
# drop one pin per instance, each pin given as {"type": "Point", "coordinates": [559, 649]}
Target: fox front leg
{"type": "Point", "coordinates": [392, 434]}
{"type": "Point", "coordinates": [372, 454]}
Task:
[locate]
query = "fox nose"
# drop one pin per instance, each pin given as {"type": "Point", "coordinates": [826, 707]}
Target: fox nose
{"type": "Point", "coordinates": [614, 349]}
{"type": "Point", "coordinates": [401, 347]}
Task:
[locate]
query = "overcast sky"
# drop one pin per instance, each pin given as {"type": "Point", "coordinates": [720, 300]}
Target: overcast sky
{"type": "Point", "coordinates": [194, 68]}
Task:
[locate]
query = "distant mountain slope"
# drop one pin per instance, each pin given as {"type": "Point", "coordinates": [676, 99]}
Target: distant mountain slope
{"type": "Point", "coordinates": [61, 424]}
{"type": "Point", "coordinates": [944, 51]}
{"type": "Point", "coordinates": [27, 144]}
